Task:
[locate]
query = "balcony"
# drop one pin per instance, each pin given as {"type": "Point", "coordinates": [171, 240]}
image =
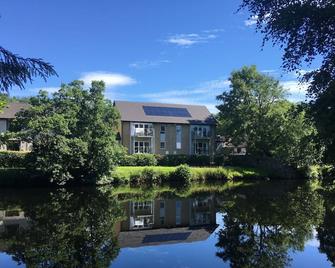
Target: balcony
{"type": "Point", "coordinates": [143, 132]}
{"type": "Point", "coordinates": [200, 135]}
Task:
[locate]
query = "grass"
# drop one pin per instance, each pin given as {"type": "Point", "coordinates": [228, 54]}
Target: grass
{"type": "Point", "coordinates": [127, 193]}
{"type": "Point", "coordinates": [198, 173]}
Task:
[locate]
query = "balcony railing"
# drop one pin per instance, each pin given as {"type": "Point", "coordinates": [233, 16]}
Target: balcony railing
{"type": "Point", "coordinates": [143, 132]}
{"type": "Point", "coordinates": [197, 135]}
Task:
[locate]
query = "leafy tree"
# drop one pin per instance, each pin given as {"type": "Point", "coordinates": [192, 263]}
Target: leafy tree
{"type": "Point", "coordinates": [255, 111]}
{"type": "Point", "coordinates": [326, 230]}
{"type": "Point", "coordinates": [16, 70]}
{"type": "Point", "coordinates": [305, 29]}
{"type": "Point", "coordinates": [260, 229]}
{"type": "Point", "coordinates": [66, 229]}
{"type": "Point", "coordinates": [73, 133]}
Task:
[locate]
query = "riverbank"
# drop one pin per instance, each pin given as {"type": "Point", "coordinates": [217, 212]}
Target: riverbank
{"type": "Point", "coordinates": [20, 177]}
{"type": "Point", "coordinates": [128, 174]}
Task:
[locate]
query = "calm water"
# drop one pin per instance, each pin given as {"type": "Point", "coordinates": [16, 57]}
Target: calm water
{"type": "Point", "coordinates": [266, 224]}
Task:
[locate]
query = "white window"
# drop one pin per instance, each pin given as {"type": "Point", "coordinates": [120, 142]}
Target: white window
{"type": "Point", "coordinates": [141, 147]}
{"type": "Point", "coordinates": [200, 147]}
{"type": "Point", "coordinates": [162, 145]}
{"type": "Point", "coordinates": [162, 137]}
{"type": "Point", "coordinates": [178, 212]}
{"type": "Point", "coordinates": [178, 137]}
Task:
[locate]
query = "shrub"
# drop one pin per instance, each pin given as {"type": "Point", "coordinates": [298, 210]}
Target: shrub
{"type": "Point", "coordinates": [149, 176]}
{"type": "Point", "coordinates": [139, 160]}
{"type": "Point", "coordinates": [182, 174]}
{"type": "Point", "coordinates": [179, 159]}
{"type": "Point", "coordinates": [10, 159]}
{"type": "Point", "coordinates": [199, 160]}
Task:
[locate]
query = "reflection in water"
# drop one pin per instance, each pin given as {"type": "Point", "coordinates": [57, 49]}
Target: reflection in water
{"type": "Point", "coordinates": [261, 225]}
{"type": "Point", "coordinates": [164, 221]}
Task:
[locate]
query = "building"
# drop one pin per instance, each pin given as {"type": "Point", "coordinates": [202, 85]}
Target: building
{"type": "Point", "coordinates": [167, 221]}
{"type": "Point", "coordinates": [7, 114]}
{"type": "Point", "coordinates": [166, 128]}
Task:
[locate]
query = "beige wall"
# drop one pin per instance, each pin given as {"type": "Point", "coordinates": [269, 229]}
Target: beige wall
{"type": "Point", "coordinates": [125, 135]}
{"type": "Point", "coordinates": [170, 139]}
{"type": "Point", "coordinates": [3, 125]}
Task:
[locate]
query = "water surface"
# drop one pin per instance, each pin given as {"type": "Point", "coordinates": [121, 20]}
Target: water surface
{"type": "Point", "coordinates": [265, 224]}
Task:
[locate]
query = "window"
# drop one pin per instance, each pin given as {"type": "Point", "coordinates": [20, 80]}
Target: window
{"type": "Point", "coordinates": [200, 148]}
{"type": "Point", "coordinates": [162, 137]}
{"type": "Point", "coordinates": [178, 137]}
{"type": "Point", "coordinates": [162, 212]}
{"type": "Point", "coordinates": [178, 212]}
{"type": "Point", "coordinates": [141, 147]}
{"type": "Point", "coordinates": [162, 145]}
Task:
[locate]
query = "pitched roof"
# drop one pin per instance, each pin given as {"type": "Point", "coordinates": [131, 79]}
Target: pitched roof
{"type": "Point", "coordinates": [164, 113]}
{"type": "Point", "coordinates": [9, 111]}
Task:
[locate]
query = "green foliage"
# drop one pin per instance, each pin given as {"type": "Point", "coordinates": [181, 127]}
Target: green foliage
{"type": "Point", "coordinates": [16, 71]}
{"type": "Point", "coordinates": [9, 159]}
{"type": "Point", "coordinates": [178, 159]}
{"type": "Point", "coordinates": [182, 174]}
{"type": "Point", "coordinates": [305, 29]}
{"type": "Point", "coordinates": [73, 133]}
{"type": "Point", "coordinates": [261, 226]}
{"type": "Point", "coordinates": [65, 229]}
{"type": "Point", "coordinates": [256, 112]}
{"type": "Point", "coordinates": [165, 174]}
{"type": "Point", "coordinates": [138, 160]}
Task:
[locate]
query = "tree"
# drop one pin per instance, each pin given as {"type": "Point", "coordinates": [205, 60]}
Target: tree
{"type": "Point", "coordinates": [255, 111]}
{"type": "Point", "coordinates": [16, 70]}
{"type": "Point", "coordinates": [260, 227]}
{"type": "Point", "coordinates": [66, 228]}
{"type": "Point", "coordinates": [305, 29]}
{"type": "Point", "coordinates": [73, 133]}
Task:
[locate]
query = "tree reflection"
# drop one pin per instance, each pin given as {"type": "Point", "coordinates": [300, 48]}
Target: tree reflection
{"type": "Point", "coordinates": [259, 230]}
{"type": "Point", "coordinates": [326, 231]}
{"type": "Point", "coordinates": [66, 229]}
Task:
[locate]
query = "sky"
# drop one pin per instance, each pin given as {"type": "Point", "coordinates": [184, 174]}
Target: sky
{"type": "Point", "coordinates": [168, 51]}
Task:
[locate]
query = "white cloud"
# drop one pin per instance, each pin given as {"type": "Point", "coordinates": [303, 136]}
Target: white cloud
{"type": "Point", "coordinates": [254, 18]}
{"type": "Point", "coordinates": [297, 91]}
{"type": "Point", "coordinates": [251, 21]}
{"type": "Point", "coordinates": [32, 91]}
{"type": "Point", "coordinates": [147, 64]}
{"type": "Point", "coordinates": [187, 40]}
{"type": "Point", "coordinates": [50, 90]}
{"type": "Point", "coordinates": [203, 94]}
{"type": "Point", "coordinates": [110, 79]}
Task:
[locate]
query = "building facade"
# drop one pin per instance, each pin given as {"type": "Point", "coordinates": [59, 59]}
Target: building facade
{"type": "Point", "coordinates": [7, 114]}
{"type": "Point", "coordinates": [166, 128]}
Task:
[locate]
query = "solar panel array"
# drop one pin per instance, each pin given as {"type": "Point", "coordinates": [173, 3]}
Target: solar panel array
{"type": "Point", "coordinates": [166, 111]}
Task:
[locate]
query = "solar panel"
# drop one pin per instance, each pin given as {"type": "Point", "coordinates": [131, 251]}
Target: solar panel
{"type": "Point", "coordinates": [166, 111]}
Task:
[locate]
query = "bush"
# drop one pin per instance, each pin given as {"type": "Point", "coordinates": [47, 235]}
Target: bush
{"type": "Point", "coordinates": [9, 159]}
{"type": "Point", "coordinates": [149, 177]}
{"type": "Point", "coordinates": [139, 160]}
{"type": "Point", "coordinates": [179, 159]}
{"type": "Point", "coordinates": [182, 174]}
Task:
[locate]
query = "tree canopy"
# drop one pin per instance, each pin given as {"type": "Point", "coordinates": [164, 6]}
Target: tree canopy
{"type": "Point", "coordinates": [256, 112]}
{"type": "Point", "coordinates": [305, 30]}
{"type": "Point", "coordinates": [73, 133]}
{"type": "Point", "coordinates": [16, 70]}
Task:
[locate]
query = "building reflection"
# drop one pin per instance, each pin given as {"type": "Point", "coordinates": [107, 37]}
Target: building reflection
{"type": "Point", "coordinates": [166, 221]}
{"type": "Point", "coordinates": [12, 221]}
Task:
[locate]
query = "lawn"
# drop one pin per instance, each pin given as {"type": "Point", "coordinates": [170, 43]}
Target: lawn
{"type": "Point", "coordinates": [198, 173]}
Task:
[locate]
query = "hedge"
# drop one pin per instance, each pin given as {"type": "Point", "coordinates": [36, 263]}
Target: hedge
{"type": "Point", "coordinates": [13, 159]}
{"type": "Point", "coordinates": [138, 160]}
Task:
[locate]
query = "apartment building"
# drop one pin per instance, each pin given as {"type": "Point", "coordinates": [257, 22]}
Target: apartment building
{"type": "Point", "coordinates": [166, 128]}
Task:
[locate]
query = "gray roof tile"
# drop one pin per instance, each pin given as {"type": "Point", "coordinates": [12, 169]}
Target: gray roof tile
{"type": "Point", "coordinates": [134, 112]}
{"type": "Point", "coordinates": [9, 111]}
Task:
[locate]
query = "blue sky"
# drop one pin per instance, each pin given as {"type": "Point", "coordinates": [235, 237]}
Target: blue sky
{"type": "Point", "coordinates": [147, 50]}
